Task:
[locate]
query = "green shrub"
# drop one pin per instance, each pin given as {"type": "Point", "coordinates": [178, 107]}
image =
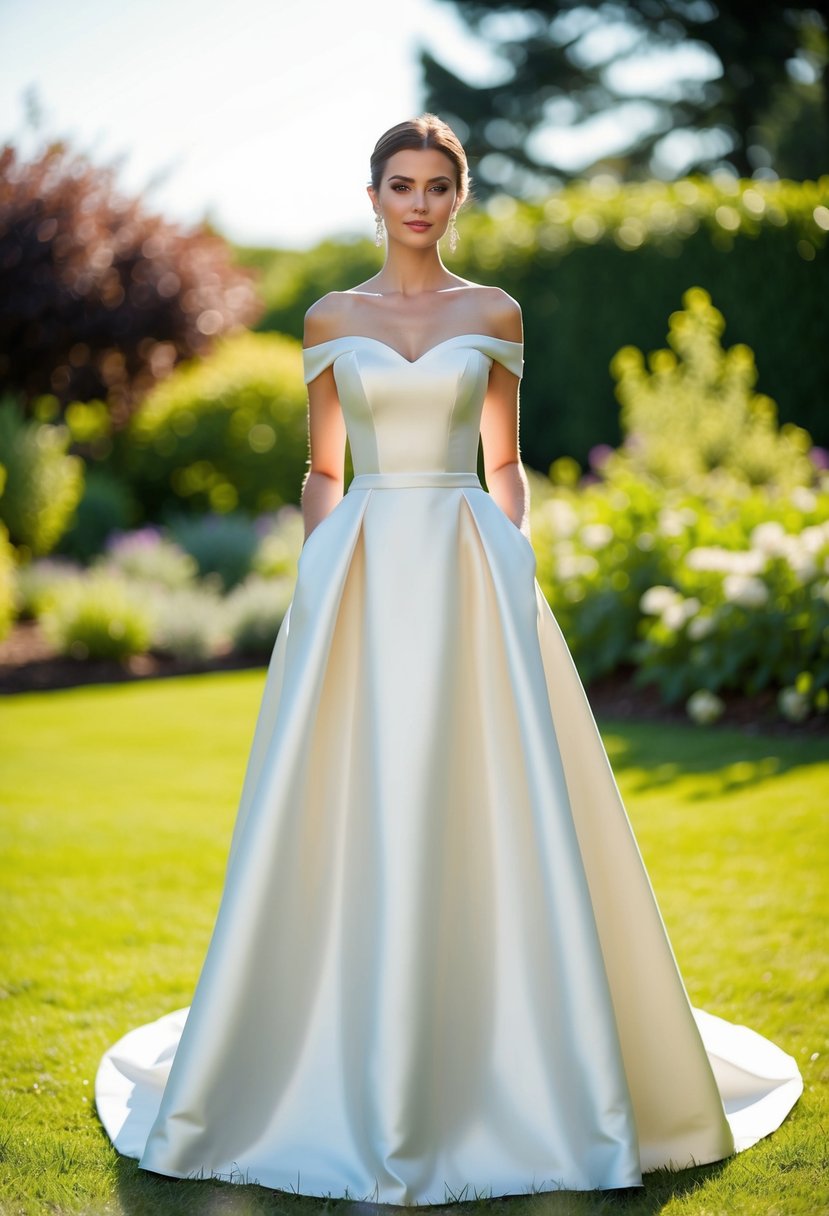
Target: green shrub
{"type": "Point", "coordinates": [8, 590]}
{"type": "Point", "coordinates": [254, 613]}
{"type": "Point", "coordinates": [147, 556]}
{"type": "Point", "coordinates": [224, 433]}
{"type": "Point", "coordinates": [106, 507]}
{"type": "Point", "coordinates": [221, 545]}
{"type": "Point", "coordinates": [188, 623]}
{"type": "Point", "coordinates": [599, 549]}
{"type": "Point", "coordinates": [698, 552]}
{"type": "Point", "coordinates": [43, 484]}
{"type": "Point", "coordinates": [745, 618]}
{"type": "Point", "coordinates": [692, 409]}
{"type": "Point", "coordinates": [723, 588]}
{"type": "Point", "coordinates": [37, 581]}
{"type": "Point", "coordinates": [98, 616]}
{"type": "Point", "coordinates": [280, 543]}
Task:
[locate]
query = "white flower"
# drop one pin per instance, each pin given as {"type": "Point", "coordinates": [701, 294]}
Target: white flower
{"type": "Point", "coordinates": [677, 614]}
{"type": "Point", "coordinates": [815, 538]}
{"type": "Point", "coordinates": [804, 499]}
{"type": "Point", "coordinates": [770, 538]}
{"type": "Point", "coordinates": [726, 561]}
{"type": "Point", "coordinates": [701, 627]}
{"type": "Point", "coordinates": [802, 566]}
{"type": "Point", "coordinates": [596, 536]}
{"type": "Point", "coordinates": [674, 522]}
{"type": "Point", "coordinates": [745, 591]}
{"type": "Point", "coordinates": [563, 518]}
{"type": "Point", "coordinates": [704, 707]}
{"type": "Point", "coordinates": [574, 565]}
{"type": "Point", "coordinates": [657, 599]}
{"type": "Point", "coordinates": [793, 705]}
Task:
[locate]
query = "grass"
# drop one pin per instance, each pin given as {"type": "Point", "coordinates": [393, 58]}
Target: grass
{"type": "Point", "coordinates": [117, 807]}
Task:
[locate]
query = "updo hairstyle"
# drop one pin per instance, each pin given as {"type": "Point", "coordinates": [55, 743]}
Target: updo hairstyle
{"type": "Point", "coordinates": [427, 131]}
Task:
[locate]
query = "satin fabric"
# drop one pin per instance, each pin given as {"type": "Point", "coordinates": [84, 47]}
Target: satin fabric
{"type": "Point", "coordinates": [438, 970]}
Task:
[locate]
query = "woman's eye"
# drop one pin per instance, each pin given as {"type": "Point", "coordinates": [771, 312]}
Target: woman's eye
{"type": "Point", "coordinates": [398, 186]}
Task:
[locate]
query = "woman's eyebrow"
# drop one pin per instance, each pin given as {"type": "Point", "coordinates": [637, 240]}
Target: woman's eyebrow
{"type": "Point", "coordinates": [401, 178]}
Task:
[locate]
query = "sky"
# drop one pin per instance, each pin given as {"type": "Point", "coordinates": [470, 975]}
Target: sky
{"type": "Point", "coordinates": [259, 115]}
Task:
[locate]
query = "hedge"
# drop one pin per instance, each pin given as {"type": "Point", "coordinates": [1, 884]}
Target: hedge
{"type": "Point", "coordinates": [598, 266]}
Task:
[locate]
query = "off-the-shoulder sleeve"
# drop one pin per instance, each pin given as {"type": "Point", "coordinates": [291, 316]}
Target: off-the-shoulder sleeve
{"type": "Point", "coordinates": [316, 358]}
{"type": "Point", "coordinates": [510, 354]}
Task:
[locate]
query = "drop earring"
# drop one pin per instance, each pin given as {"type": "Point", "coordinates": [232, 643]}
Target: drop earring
{"type": "Point", "coordinates": [453, 235]}
{"type": "Point", "coordinates": [379, 230]}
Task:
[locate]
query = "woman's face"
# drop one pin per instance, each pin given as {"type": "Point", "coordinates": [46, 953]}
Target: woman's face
{"type": "Point", "coordinates": [417, 196]}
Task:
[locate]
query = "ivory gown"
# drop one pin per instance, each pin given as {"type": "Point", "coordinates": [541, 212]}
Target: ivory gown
{"type": "Point", "coordinates": [438, 970]}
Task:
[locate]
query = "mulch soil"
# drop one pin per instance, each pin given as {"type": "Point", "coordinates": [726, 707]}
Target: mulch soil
{"type": "Point", "coordinates": [29, 664]}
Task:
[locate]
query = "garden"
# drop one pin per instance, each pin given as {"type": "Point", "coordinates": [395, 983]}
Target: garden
{"type": "Point", "coordinates": [689, 562]}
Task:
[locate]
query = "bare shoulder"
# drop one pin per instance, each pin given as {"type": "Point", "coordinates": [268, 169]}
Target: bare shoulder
{"type": "Point", "coordinates": [501, 313]}
{"type": "Point", "coordinates": [326, 318]}
{"type": "Point", "coordinates": [504, 314]}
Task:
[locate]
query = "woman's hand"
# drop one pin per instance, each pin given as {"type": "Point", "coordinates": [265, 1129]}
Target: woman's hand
{"type": "Point", "coordinates": [320, 495]}
{"type": "Point", "coordinates": [509, 487]}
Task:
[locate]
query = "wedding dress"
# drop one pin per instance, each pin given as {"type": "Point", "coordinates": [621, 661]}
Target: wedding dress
{"type": "Point", "coordinates": [438, 970]}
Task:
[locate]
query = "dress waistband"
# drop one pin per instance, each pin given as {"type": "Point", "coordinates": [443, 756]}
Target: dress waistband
{"type": "Point", "coordinates": [400, 480]}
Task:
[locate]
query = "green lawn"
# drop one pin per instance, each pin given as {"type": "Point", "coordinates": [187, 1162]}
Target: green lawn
{"type": "Point", "coordinates": [117, 808]}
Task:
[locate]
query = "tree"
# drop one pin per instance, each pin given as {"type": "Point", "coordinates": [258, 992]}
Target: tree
{"type": "Point", "coordinates": [740, 84]}
{"type": "Point", "coordinates": [99, 298]}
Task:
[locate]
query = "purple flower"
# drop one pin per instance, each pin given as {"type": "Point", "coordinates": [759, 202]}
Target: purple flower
{"type": "Point", "coordinates": [599, 455]}
{"type": "Point", "coordinates": [128, 542]}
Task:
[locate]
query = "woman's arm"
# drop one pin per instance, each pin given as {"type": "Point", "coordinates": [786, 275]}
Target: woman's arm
{"type": "Point", "coordinates": [322, 487]}
{"type": "Point", "coordinates": [505, 476]}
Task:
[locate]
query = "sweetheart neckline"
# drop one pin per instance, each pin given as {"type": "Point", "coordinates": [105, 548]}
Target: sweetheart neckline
{"type": "Point", "coordinates": [395, 351]}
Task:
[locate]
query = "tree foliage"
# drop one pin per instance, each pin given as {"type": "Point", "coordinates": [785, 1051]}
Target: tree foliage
{"type": "Point", "coordinates": [98, 297]}
{"type": "Point", "coordinates": [757, 98]}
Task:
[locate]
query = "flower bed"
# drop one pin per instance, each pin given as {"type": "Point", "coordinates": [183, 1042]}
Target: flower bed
{"type": "Point", "coordinates": [150, 594]}
{"type": "Point", "coordinates": [721, 590]}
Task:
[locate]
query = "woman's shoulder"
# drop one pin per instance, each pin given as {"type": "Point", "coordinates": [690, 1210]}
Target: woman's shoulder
{"type": "Point", "coordinates": [501, 314]}
{"type": "Point", "coordinates": [326, 317]}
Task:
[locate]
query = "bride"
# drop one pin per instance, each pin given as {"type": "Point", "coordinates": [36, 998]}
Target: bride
{"type": "Point", "coordinates": [438, 970]}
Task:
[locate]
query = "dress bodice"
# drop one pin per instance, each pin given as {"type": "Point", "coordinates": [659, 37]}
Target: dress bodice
{"type": "Point", "coordinates": [404, 415]}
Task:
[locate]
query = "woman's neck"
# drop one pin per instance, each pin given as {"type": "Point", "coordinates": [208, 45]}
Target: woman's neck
{"type": "Point", "coordinates": [411, 272]}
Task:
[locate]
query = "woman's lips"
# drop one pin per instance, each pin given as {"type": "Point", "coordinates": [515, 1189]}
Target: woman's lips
{"type": "Point", "coordinates": [418, 225]}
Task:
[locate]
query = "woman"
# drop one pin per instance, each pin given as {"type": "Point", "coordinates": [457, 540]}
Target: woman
{"type": "Point", "coordinates": [438, 970]}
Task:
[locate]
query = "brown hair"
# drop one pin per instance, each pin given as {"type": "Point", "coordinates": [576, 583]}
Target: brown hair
{"type": "Point", "coordinates": [427, 131]}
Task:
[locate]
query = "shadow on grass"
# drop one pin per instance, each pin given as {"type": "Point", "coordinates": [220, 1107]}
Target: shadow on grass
{"type": "Point", "coordinates": [145, 1194]}
{"type": "Point", "coordinates": [731, 761]}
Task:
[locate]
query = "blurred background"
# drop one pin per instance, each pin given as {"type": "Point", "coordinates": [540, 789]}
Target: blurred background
{"type": "Point", "coordinates": [180, 181]}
